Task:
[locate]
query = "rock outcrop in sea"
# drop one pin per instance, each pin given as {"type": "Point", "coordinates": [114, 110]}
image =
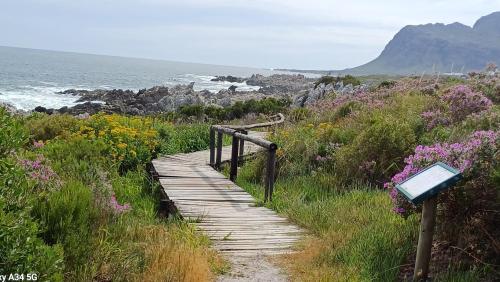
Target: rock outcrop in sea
{"type": "Point", "coordinates": [160, 99]}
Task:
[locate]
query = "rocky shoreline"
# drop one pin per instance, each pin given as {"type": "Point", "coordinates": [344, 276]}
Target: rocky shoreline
{"type": "Point", "coordinates": [160, 99]}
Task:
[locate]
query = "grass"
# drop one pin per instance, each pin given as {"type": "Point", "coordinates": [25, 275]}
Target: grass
{"type": "Point", "coordinates": [70, 225]}
{"type": "Point", "coordinates": [353, 235]}
{"type": "Point", "coordinates": [138, 246]}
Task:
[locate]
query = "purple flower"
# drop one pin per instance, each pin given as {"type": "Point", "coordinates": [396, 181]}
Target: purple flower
{"type": "Point", "coordinates": [38, 171]}
{"type": "Point", "coordinates": [463, 156]}
{"type": "Point", "coordinates": [462, 101]}
{"type": "Point", "coordinates": [116, 206]}
{"type": "Point", "coordinates": [38, 144]}
{"type": "Point", "coordinates": [435, 118]}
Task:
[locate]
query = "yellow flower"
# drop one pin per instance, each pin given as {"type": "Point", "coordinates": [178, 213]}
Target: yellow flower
{"type": "Point", "coordinates": [133, 153]}
{"type": "Point", "coordinates": [122, 145]}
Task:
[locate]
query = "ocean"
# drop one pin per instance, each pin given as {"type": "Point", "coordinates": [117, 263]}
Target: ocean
{"type": "Point", "coordinates": [31, 78]}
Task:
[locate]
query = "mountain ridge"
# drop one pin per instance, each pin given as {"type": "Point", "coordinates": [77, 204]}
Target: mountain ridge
{"type": "Point", "coordinates": [438, 48]}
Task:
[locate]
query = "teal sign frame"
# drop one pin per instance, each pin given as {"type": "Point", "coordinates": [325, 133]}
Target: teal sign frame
{"type": "Point", "coordinates": [432, 189]}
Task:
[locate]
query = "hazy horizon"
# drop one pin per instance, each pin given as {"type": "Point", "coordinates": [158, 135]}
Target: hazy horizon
{"type": "Point", "coordinates": [263, 34]}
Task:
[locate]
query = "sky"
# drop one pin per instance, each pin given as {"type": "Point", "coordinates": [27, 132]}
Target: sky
{"type": "Point", "coordinates": [305, 34]}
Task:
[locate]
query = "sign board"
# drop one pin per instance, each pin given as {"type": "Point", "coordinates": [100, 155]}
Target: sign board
{"type": "Point", "coordinates": [429, 182]}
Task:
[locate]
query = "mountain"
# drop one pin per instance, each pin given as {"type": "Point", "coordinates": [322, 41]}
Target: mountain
{"type": "Point", "coordinates": [438, 48]}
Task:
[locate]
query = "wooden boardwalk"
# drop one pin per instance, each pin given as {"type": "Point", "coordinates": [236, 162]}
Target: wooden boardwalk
{"type": "Point", "coordinates": [221, 209]}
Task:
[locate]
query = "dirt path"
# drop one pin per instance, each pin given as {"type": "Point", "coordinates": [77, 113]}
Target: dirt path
{"type": "Point", "coordinates": [253, 268]}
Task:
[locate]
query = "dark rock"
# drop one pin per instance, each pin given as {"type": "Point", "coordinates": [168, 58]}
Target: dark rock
{"type": "Point", "coordinates": [41, 109]}
{"type": "Point", "coordinates": [228, 78]}
{"type": "Point", "coordinates": [161, 99]}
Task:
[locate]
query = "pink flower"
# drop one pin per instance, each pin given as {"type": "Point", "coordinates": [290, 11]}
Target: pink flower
{"type": "Point", "coordinates": [463, 156]}
{"type": "Point", "coordinates": [463, 101]}
{"type": "Point", "coordinates": [38, 144]}
{"type": "Point", "coordinates": [117, 207]}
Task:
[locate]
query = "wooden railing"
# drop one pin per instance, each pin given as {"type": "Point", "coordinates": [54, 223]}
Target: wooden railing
{"type": "Point", "coordinates": [239, 136]}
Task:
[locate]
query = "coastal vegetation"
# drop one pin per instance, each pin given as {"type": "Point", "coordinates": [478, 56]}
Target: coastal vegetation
{"type": "Point", "coordinates": [77, 204]}
{"type": "Point", "coordinates": [339, 161]}
{"type": "Point", "coordinates": [236, 111]}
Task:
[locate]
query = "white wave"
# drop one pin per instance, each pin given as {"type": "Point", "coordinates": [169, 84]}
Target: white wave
{"type": "Point", "coordinates": [29, 97]}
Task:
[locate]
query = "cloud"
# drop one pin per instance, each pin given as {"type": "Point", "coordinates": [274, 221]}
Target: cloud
{"type": "Point", "coordinates": [325, 34]}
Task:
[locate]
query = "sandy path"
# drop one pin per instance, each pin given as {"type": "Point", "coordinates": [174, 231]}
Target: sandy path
{"type": "Point", "coordinates": [253, 268]}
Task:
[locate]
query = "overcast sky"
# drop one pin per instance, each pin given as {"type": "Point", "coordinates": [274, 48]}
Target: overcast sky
{"type": "Point", "coordinates": [312, 34]}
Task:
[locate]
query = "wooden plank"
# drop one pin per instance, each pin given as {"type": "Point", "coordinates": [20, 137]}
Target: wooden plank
{"type": "Point", "coordinates": [251, 247]}
{"type": "Point", "coordinates": [251, 253]}
{"type": "Point", "coordinates": [224, 211]}
{"type": "Point", "coordinates": [218, 200]}
{"type": "Point", "coordinates": [186, 181]}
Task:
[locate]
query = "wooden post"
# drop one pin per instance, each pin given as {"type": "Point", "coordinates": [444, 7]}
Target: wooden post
{"type": "Point", "coordinates": [234, 159]}
{"type": "Point", "coordinates": [212, 147]}
{"type": "Point", "coordinates": [424, 247]}
{"type": "Point", "coordinates": [271, 164]}
{"type": "Point", "coordinates": [219, 150]}
{"type": "Point", "coordinates": [242, 147]}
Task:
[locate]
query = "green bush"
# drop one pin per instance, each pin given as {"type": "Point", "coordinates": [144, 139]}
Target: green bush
{"type": "Point", "coordinates": [22, 251]}
{"type": "Point", "coordinates": [78, 159]}
{"type": "Point", "coordinates": [46, 127]}
{"type": "Point", "coordinates": [191, 110]}
{"type": "Point", "coordinates": [346, 109]}
{"type": "Point", "coordinates": [237, 110]}
{"type": "Point", "coordinates": [183, 138]}
{"type": "Point", "coordinates": [12, 133]}
{"type": "Point", "coordinates": [346, 80]}
{"type": "Point", "coordinates": [67, 216]}
{"type": "Point", "coordinates": [386, 84]}
{"type": "Point", "coordinates": [377, 152]}
{"type": "Point", "coordinates": [349, 79]}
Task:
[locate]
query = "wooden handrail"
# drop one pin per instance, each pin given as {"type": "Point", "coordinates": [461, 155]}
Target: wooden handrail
{"type": "Point", "coordinates": [254, 139]}
{"type": "Point", "coordinates": [240, 134]}
{"type": "Point", "coordinates": [258, 125]}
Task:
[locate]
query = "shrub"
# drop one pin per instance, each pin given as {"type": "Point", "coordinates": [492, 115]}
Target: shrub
{"type": "Point", "coordinates": [22, 251]}
{"type": "Point", "coordinates": [349, 79]}
{"type": "Point", "coordinates": [191, 110]}
{"type": "Point", "coordinates": [326, 80]}
{"type": "Point", "coordinates": [462, 101]}
{"type": "Point", "coordinates": [86, 163]}
{"type": "Point", "coordinates": [12, 133]}
{"type": "Point", "coordinates": [467, 214]}
{"type": "Point", "coordinates": [376, 152]}
{"type": "Point", "coordinates": [346, 80]}
{"type": "Point", "coordinates": [46, 127]}
{"type": "Point", "coordinates": [131, 141]}
{"type": "Point", "coordinates": [237, 110]}
{"type": "Point", "coordinates": [386, 84]}
{"type": "Point", "coordinates": [67, 217]}
{"type": "Point", "coordinates": [183, 138]}
{"type": "Point", "coordinates": [298, 148]}
{"type": "Point", "coordinates": [435, 118]}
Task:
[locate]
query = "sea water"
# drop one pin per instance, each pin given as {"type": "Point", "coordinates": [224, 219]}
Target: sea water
{"type": "Point", "coordinates": [31, 78]}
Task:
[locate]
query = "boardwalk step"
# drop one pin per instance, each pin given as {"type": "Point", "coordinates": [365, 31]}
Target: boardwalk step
{"type": "Point", "coordinates": [218, 207]}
